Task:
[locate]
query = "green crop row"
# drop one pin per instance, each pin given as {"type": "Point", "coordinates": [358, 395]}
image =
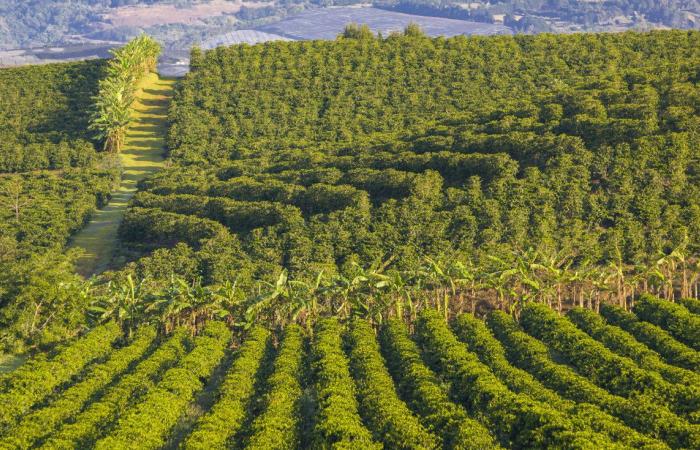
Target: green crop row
{"type": "Point", "coordinates": [481, 342]}
{"type": "Point", "coordinates": [38, 378]}
{"type": "Point", "coordinates": [157, 227]}
{"type": "Point", "coordinates": [625, 344]}
{"type": "Point", "coordinates": [338, 423]}
{"type": "Point", "coordinates": [691, 304]}
{"type": "Point", "coordinates": [148, 423]}
{"type": "Point", "coordinates": [41, 422]}
{"type": "Point", "coordinates": [674, 318]}
{"type": "Point", "coordinates": [617, 374]}
{"type": "Point", "coordinates": [424, 393]}
{"type": "Point", "coordinates": [641, 414]}
{"type": "Point", "coordinates": [388, 417]}
{"type": "Point", "coordinates": [517, 419]}
{"type": "Point", "coordinates": [278, 426]}
{"type": "Point", "coordinates": [99, 416]}
{"type": "Point", "coordinates": [586, 416]}
{"type": "Point", "coordinates": [214, 429]}
{"type": "Point", "coordinates": [654, 337]}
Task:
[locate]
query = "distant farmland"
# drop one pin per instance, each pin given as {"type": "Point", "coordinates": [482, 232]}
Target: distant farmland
{"type": "Point", "coordinates": [327, 23]}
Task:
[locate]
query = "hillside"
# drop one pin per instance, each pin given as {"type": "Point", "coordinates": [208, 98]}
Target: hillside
{"type": "Point", "coordinates": [51, 23]}
{"type": "Point", "coordinates": [571, 152]}
{"type": "Point", "coordinates": [371, 242]}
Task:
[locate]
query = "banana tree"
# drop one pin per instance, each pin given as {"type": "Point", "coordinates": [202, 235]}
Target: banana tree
{"type": "Point", "coordinates": [125, 303]}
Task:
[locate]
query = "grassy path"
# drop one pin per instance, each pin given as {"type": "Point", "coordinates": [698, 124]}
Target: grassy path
{"type": "Point", "coordinates": [143, 154]}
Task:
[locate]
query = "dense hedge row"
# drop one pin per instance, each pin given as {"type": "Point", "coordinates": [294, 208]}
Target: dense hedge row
{"type": "Point", "coordinates": [516, 419]}
{"type": "Point", "coordinates": [617, 374]}
{"type": "Point", "coordinates": [625, 344]}
{"type": "Point", "coordinates": [654, 337]}
{"type": "Point", "coordinates": [154, 227]}
{"type": "Point", "coordinates": [36, 379]}
{"type": "Point", "coordinates": [215, 428]}
{"type": "Point", "coordinates": [674, 318]}
{"type": "Point", "coordinates": [338, 423]}
{"type": "Point", "coordinates": [278, 426]}
{"type": "Point", "coordinates": [169, 399]}
{"type": "Point", "coordinates": [691, 304]}
{"type": "Point", "coordinates": [479, 339]}
{"type": "Point", "coordinates": [100, 415]}
{"type": "Point", "coordinates": [39, 423]}
{"type": "Point", "coordinates": [425, 394]}
{"type": "Point", "coordinates": [640, 413]}
{"type": "Point", "coordinates": [390, 420]}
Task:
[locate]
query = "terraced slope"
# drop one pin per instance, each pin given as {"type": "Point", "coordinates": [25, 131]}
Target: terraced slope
{"type": "Point", "coordinates": [143, 155]}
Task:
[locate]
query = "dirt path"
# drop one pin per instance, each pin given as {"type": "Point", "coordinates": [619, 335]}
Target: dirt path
{"type": "Point", "coordinates": [143, 154]}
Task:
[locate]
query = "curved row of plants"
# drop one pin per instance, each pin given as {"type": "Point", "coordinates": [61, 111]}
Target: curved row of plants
{"type": "Point", "coordinates": [475, 333]}
{"type": "Point", "coordinates": [672, 317]}
{"type": "Point", "coordinates": [39, 423]}
{"type": "Point", "coordinates": [603, 367]}
{"type": "Point", "coordinates": [641, 412]}
{"type": "Point", "coordinates": [653, 336]}
{"type": "Point", "coordinates": [624, 344]}
{"type": "Point", "coordinates": [176, 389]}
{"type": "Point", "coordinates": [517, 419]}
{"type": "Point", "coordinates": [100, 416]}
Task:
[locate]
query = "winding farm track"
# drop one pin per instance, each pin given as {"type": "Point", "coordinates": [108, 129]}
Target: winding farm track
{"type": "Point", "coordinates": [142, 155]}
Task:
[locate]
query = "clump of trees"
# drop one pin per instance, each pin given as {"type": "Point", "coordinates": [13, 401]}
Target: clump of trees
{"type": "Point", "coordinates": [113, 103]}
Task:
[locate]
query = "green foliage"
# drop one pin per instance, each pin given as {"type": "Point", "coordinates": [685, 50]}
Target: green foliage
{"type": "Point", "coordinates": [37, 378]}
{"type": "Point", "coordinates": [215, 428]}
{"type": "Point", "coordinates": [654, 337]}
{"type": "Point", "coordinates": [357, 31]}
{"type": "Point", "coordinates": [363, 150]}
{"type": "Point", "coordinates": [640, 413]}
{"type": "Point", "coordinates": [673, 318]}
{"type": "Point", "coordinates": [424, 392]}
{"type": "Point", "coordinates": [128, 65]}
{"type": "Point", "coordinates": [586, 416]}
{"type": "Point", "coordinates": [624, 344]}
{"type": "Point", "coordinates": [51, 180]}
{"type": "Point", "coordinates": [691, 304]}
{"type": "Point", "coordinates": [387, 416]}
{"type": "Point", "coordinates": [39, 423]}
{"type": "Point", "coordinates": [43, 116]}
{"type": "Point", "coordinates": [516, 419]}
{"type": "Point", "coordinates": [100, 415]}
{"type": "Point", "coordinates": [338, 424]}
{"type": "Point", "coordinates": [279, 424]}
{"type": "Point", "coordinates": [160, 228]}
{"type": "Point", "coordinates": [618, 374]}
{"type": "Point", "coordinates": [176, 389]}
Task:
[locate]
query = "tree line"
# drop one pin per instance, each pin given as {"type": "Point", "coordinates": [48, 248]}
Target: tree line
{"type": "Point", "coordinates": [113, 103]}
